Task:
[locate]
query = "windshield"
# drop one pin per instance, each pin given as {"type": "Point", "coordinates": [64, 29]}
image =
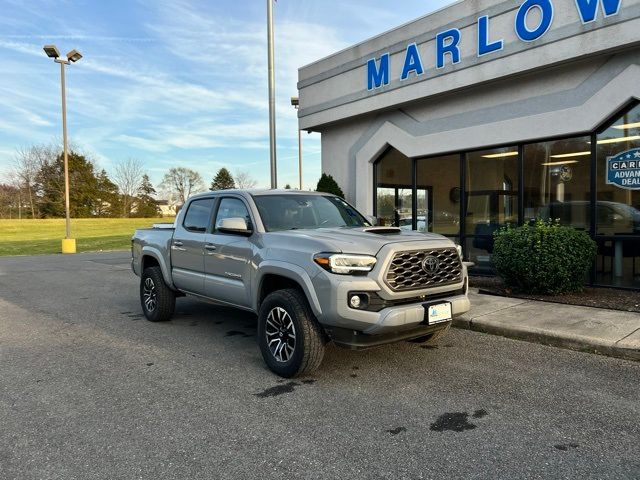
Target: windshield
{"type": "Point", "coordinates": [298, 211]}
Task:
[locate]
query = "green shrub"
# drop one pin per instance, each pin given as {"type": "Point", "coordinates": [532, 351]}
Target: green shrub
{"type": "Point", "coordinates": [327, 184]}
{"type": "Point", "coordinates": [543, 257]}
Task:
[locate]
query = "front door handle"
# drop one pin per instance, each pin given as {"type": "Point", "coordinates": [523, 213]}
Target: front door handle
{"type": "Point", "coordinates": [178, 243]}
{"type": "Point", "coordinates": [210, 248]}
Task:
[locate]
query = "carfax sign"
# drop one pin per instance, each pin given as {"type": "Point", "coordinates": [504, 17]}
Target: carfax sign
{"type": "Point", "coordinates": [623, 169]}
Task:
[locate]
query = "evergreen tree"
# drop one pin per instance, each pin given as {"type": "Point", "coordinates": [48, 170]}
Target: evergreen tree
{"type": "Point", "coordinates": [108, 200]}
{"type": "Point", "coordinates": [328, 185]}
{"type": "Point", "coordinates": [146, 205]}
{"type": "Point", "coordinates": [287, 187]}
{"type": "Point", "coordinates": [223, 180]}
{"type": "Point", "coordinates": [83, 187]}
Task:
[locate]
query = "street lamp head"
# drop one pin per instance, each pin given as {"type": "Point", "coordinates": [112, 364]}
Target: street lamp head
{"type": "Point", "coordinates": [295, 101]}
{"type": "Point", "coordinates": [51, 51]}
{"type": "Point", "coordinates": [74, 55]}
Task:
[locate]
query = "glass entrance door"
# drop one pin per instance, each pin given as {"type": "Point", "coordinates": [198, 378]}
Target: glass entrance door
{"type": "Point", "coordinates": [394, 190]}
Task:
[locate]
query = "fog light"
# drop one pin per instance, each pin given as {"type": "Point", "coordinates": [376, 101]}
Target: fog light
{"type": "Point", "coordinates": [355, 301]}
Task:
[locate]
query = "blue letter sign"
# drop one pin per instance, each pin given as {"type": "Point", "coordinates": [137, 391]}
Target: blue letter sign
{"type": "Point", "coordinates": [588, 9]}
{"type": "Point", "coordinates": [623, 170]}
{"type": "Point", "coordinates": [532, 19]}
{"type": "Point", "coordinates": [451, 47]}
{"type": "Point", "coordinates": [546, 17]}
{"type": "Point", "coordinates": [412, 62]}
{"type": "Point", "coordinates": [378, 76]}
{"type": "Point", "coordinates": [483, 38]}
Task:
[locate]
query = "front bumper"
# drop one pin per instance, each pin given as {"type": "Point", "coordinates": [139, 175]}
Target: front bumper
{"type": "Point", "coordinates": [337, 316]}
{"type": "Point", "coordinates": [356, 340]}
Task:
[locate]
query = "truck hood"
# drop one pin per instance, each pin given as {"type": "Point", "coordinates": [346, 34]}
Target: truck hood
{"type": "Point", "coordinates": [364, 240]}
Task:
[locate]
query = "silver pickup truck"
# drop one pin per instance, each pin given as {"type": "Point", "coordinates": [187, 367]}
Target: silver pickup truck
{"type": "Point", "coordinates": [309, 265]}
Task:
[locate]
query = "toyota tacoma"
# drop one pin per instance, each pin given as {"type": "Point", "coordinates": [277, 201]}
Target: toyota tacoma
{"type": "Point", "coordinates": [311, 267]}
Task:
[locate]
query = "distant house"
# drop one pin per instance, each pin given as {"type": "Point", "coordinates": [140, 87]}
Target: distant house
{"type": "Point", "coordinates": [168, 208]}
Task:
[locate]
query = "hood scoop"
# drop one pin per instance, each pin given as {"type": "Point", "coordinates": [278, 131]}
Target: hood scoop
{"type": "Point", "coordinates": [382, 230]}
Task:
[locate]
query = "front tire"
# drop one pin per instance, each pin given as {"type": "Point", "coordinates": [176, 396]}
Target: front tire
{"type": "Point", "coordinates": [290, 339]}
{"type": "Point", "coordinates": [157, 299]}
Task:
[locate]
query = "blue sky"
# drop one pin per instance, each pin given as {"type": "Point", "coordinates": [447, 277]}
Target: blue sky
{"type": "Point", "coordinates": [175, 83]}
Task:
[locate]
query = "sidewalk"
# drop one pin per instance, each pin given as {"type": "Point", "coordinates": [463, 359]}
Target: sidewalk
{"type": "Point", "coordinates": [607, 332]}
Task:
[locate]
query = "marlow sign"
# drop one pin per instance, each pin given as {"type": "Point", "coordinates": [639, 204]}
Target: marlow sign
{"type": "Point", "coordinates": [623, 169]}
{"type": "Point", "coordinates": [448, 41]}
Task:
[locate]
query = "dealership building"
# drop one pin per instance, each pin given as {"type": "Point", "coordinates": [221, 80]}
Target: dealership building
{"type": "Point", "coordinates": [489, 113]}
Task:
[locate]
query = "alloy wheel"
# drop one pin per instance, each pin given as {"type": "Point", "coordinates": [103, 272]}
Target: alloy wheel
{"type": "Point", "coordinates": [280, 333]}
{"type": "Point", "coordinates": [149, 295]}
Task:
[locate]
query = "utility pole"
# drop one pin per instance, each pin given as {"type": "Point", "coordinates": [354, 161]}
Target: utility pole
{"type": "Point", "coordinates": [68, 243]}
{"type": "Point", "coordinates": [272, 96]}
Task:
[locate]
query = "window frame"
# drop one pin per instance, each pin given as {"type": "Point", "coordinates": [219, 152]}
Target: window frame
{"type": "Point", "coordinates": [214, 218]}
{"type": "Point", "coordinates": [186, 213]}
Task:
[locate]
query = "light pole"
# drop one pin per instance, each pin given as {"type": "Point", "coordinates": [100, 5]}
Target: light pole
{"type": "Point", "coordinates": [68, 243]}
{"type": "Point", "coordinates": [272, 95]}
{"type": "Point", "coordinates": [295, 101]}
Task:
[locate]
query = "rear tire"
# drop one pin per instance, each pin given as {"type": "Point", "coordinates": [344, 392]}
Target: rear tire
{"type": "Point", "coordinates": [290, 339]}
{"type": "Point", "coordinates": [157, 299]}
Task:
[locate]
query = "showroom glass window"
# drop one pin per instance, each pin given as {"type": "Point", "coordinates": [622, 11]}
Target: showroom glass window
{"type": "Point", "coordinates": [557, 181]}
{"type": "Point", "coordinates": [618, 201]}
{"type": "Point", "coordinates": [438, 195]}
{"type": "Point", "coordinates": [394, 189]}
{"type": "Point", "coordinates": [492, 200]}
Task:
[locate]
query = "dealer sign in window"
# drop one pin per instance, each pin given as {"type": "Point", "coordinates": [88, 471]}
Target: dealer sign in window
{"type": "Point", "coordinates": [623, 169]}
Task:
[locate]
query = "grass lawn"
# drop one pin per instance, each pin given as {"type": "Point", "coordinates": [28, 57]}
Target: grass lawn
{"type": "Point", "coordinates": [32, 237]}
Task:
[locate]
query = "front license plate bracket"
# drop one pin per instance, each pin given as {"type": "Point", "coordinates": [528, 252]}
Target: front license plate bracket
{"type": "Point", "coordinates": [436, 312]}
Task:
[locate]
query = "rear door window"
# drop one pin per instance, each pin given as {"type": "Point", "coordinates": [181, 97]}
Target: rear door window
{"type": "Point", "coordinates": [198, 216]}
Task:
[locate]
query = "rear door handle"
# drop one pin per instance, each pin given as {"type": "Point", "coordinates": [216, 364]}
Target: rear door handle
{"type": "Point", "coordinates": [177, 245]}
{"type": "Point", "coordinates": [210, 248]}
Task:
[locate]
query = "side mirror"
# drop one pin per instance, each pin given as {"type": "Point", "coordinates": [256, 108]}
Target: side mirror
{"type": "Point", "coordinates": [234, 226]}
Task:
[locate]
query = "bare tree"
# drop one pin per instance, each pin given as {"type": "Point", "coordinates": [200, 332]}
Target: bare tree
{"type": "Point", "coordinates": [182, 182]}
{"type": "Point", "coordinates": [243, 180]}
{"type": "Point", "coordinates": [127, 176]}
{"type": "Point", "coordinates": [9, 200]}
{"type": "Point", "coordinates": [28, 162]}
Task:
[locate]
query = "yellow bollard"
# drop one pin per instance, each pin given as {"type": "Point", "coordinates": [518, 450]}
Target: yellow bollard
{"type": "Point", "coordinates": [68, 245]}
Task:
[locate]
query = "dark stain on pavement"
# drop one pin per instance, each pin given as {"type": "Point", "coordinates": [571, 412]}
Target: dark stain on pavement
{"type": "Point", "coordinates": [309, 381]}
{"type": "Point", "coordinates": [566, 446]}
{"type": "Point", "coordinates": [219, 322]}
{"type": "Point", "coordinates": [429, 347]}
{"type": "Point", "coordinates": [353, 375]}
{"type": "Point", "coordinates": [235, 333]}
{"type": "Point", "coordinates": [356, 368]}
{"type": "Point", "coordinates": [454, 421]}
{"type": "Point", "coordinates": [277, 390]}
{"type": "Point", "coordinates": [480, 413]}
{"type": "Point", "coordinates": [396, 431]}
{"type": "Point", "coordinates": [149, 364]}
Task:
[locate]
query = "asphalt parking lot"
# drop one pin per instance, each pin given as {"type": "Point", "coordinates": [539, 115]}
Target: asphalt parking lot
{"type": "Point", "coordinates": [89, 389]}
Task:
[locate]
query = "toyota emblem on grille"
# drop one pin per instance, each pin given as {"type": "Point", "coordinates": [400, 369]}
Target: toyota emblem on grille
{"type": "Point", "coordinates": [430, 264]}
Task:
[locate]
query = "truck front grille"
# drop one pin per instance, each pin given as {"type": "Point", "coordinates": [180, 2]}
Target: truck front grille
{"type": "Point", "coordinates": [418, 269]}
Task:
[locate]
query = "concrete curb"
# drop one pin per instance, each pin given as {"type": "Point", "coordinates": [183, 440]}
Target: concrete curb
{"type": "Point", "coordinates": [501, 322]}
